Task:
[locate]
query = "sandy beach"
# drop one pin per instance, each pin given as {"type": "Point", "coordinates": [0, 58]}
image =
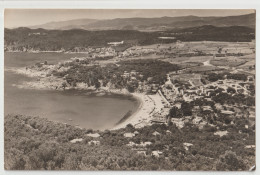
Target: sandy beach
{"type": "Point", "coordinates": [148, 104]}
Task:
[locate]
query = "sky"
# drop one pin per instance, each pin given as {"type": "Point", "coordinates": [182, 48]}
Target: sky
{"type": "Point", "coordinates": [29, 17]}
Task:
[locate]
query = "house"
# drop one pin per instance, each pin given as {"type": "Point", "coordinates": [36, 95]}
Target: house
{"type": "Point", "coordinates": [250, 146]}
{"type": "Point", "coordinates": [226, 112]}
{"type": "Point", "coordinates": [144, 144]}
{"type": "Point", "coordinates": [159, 117]}
{"type": "Point", "coordinates": [187, 145]}
{"type": "Point", "coordinates": [147, 88]}
{"type": "Point", "coordinates": [202, 124]}
{"type": "Point", "coordinates": [178, 122]}
{"type": "Point", "coordinates": [218, 106]}
{"type": "Point", "coordinates": [168, 132]}
{"type": "Point", "coordinates": [114, 76]}
{"type": "Point", "coordinates": [133, 72]}
{"type": "Point", "coordinates": [156, 153]}
{"type": "Point", "coordinates": [136, 132]}
{"type": "Point", "coordinates": [76, 140]}
{"type": "Point", "coordinates": [141, 152]}
{"type": "Point", "coordinates": [129, 134]}
{"type": "Point", "coordinates": [133, 78]}
{"type": "Point", "coordinates": [126, 75]}
{"type": "Point", "coordinates": [147, 143]}
{"type": "Point", "coordinates": [208, 99]}
{"type": "Point", "coordinates": [131, 144]}
{"type": "Point", "coordinates": [178, 105]}
{"type": "Point", "coordinates": [197, 120]}
{"type": "Point", "coordinates": [94, 142]}
{"type": "Point", "coordinates": [95, 135]}
{"type": "Point", "coordinates": [149, 79]}
{"type": "Point", "coordinates": [155, 133]}
{"type": "Point", "coordinates": [221, 133]}
{"type": "Point", "coordinates": [207, 108]}
{"type": "Point", "coordinates": [220, 82]}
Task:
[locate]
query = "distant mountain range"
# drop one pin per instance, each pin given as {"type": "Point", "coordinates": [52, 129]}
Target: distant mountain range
{"type": "Point", "coordinates": [150, 24]}
{"type": "Point", "coordinates": [65, 25]}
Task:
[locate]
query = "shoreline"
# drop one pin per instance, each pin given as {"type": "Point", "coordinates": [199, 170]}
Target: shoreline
{"type": "Point", "coordinates": [149, 105]}
{"type": "Point", "coordinates": [133, 117]}
{"type": "Point", "coordinates": [139, 118]}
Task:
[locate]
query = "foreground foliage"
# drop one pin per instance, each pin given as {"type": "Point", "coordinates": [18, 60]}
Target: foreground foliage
{"type": "Point", "coordinates": [34, 143]}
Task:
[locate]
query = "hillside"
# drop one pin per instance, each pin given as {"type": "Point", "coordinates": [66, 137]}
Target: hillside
{"type": "Point", "coordinates": [33, 143]}
{"type": "Point", "coordinates": [212, 33]}
{"type": "Point", "coordinates": [154, 24]}
{"type": "Point", "coordinates": [53, 40]}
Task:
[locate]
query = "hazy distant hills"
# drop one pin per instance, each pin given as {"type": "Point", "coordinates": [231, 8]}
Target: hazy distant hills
{"type": "Point", "coordinates": [162, 23]}
{"type": "Point", "coordinates": [65, 25]}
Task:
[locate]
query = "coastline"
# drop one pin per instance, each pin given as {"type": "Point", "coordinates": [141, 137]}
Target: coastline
{"type": "Point", "coordinates": [142, 115]}
{"type": "Point", "coordinates": [148, 105]}
{"type": "Point", "coordinates": [133, 118]}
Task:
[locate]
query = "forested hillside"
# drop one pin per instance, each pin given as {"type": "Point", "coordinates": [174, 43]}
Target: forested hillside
{"type": "Point", "coordinates": [212, 33]}
{"type": "Point", "coordinates": [25, 39]}
{"type": "Point", "coordinates": [38, 144]}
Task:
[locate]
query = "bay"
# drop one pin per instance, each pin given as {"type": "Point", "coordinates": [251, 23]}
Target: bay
{"type": "Point", "coordinates": [74, 107]}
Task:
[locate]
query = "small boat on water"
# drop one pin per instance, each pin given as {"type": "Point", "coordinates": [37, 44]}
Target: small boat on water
{"type": "Point", "coordinates": [70, 119]}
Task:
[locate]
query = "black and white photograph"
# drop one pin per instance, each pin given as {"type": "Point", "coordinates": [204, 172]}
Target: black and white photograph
{"type": "Point", "coordinates": [129, 89]}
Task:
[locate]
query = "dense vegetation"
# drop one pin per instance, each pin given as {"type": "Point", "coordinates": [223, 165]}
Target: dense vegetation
{"type": "Point", "coordinates": [53, 40]}
{"type": "Point", "coordinates": [212, 33]}
{"type": "Point", "coordinates": [154, 70]}
{"type": "Point", "coordinates": [36, 143]}
{"type": "Point", "coordinates": [221, 76]}
{"type": "Point", "coordinates": [69, 39]}
{"type": "Point", "coordinates": [149, 68]}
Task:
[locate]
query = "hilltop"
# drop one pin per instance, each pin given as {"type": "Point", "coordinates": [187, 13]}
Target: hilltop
{"type": "Point", "coordinates": [154, 24]}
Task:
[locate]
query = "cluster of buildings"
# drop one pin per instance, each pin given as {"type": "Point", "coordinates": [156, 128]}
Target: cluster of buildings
{"type": "Point", "coordinates": [136, 52]}
{"type": "Point", "coordinates": [190, 88]}
{"type": "Point", "coordinates": [141, 148]}
{"type": "Point", "coordinates": [187, 88]}
{"type": "Point", "coordinates": [139, 83]}
{"type": "Point", "coordinates": [100, 52]}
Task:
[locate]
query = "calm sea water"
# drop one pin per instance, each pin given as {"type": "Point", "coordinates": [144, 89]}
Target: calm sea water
{"type": "Point", "coordinates": [70, 106]}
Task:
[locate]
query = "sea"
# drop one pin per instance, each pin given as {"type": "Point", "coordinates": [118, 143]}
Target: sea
{"type": "Point", "coordinates": [76, 107]}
